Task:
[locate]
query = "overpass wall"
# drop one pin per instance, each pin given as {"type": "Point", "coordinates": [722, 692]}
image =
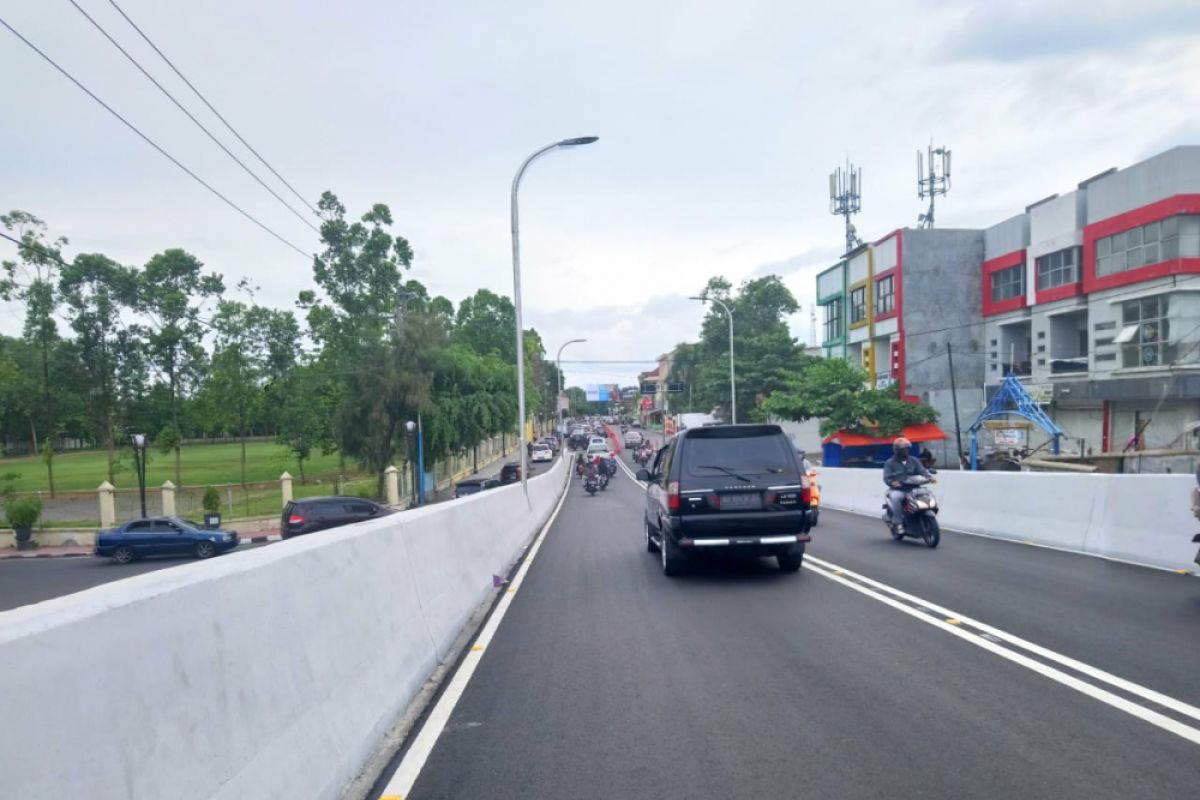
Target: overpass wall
{"type": "Point", "coordinates": [1141, 518]}
{"type": "Point", "coordinates": [270, 673]}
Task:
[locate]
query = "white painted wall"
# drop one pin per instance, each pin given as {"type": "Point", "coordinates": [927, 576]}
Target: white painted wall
{"type": "Point", "coordinates": [270, 673]}
{"type": "Point", "coordinates": [1141, 518]}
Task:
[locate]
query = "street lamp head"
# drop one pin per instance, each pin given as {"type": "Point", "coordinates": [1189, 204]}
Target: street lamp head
{"type": "Point", "coordinates": [139, 440]}
{"type": "Point", "coordinates": [410, 426]}
{"type": "Point", "coordinates": [701, 298]}
{"type": "Point", "coordinates": [578, 141]}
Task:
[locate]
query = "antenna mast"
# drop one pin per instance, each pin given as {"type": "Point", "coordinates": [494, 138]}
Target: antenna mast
{"type": "Point", "coordinates": [933, 182]}
{"type": "Point", "coordinates": [845, 199]}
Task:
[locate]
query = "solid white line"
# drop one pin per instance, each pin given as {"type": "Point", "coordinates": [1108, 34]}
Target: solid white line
{"type": "Point", "coordinates": [414, 760]}
{"type": "Point", "coordinates": [1133, 709]}
{"type": "Point", "coordinates": [1158, 698]}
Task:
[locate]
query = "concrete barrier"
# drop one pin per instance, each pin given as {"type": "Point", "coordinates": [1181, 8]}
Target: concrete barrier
{"type": "Point", "coordinates": [1141, 518]}
{"type": "Point", "coordinates": [272, 673]}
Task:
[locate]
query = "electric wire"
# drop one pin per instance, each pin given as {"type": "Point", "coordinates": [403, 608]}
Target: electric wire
{"type": "Point", "coordinates": [150, 141]}
{"type": "Point", "coordinates": [204, 99]}
{"type": "Point", "coordinates": [191, 116]}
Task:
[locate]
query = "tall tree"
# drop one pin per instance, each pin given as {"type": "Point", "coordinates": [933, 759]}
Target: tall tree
{"type": "Point", "coordinates": [238, 365]}
{"type": "Point", "coordinates": [171, 290]}
{"type": "Point", "coordinates": [487, 322]}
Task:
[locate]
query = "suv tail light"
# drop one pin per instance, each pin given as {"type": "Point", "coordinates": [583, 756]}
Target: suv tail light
{"type": "Point", "coordinates": [673, 496]}
{"type": "Point", "coordinates": [295, 519]}
{"type": "Point", "coordinates": [806, 495]}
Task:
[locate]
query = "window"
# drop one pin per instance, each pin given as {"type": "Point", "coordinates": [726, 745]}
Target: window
{"type": "Point", "coordinates": [1105, 326]}
{"type": "Point", "coordinates": [1164, 240]}
{"type": "Point", "coordinates": [1146, 338]}
{"type": "Point", "coordinates": [833, 320]}
{"type": "Point", "coordinates": [858, 304]}
{"type": "Point", "coordinates": [1008, 283]}
{"type": "Point", "coordinates": [139, 527]}
{"type": "Point", "coordinates": [1058, 268]}
{"type": "Point", "coordinates": [885, 295]}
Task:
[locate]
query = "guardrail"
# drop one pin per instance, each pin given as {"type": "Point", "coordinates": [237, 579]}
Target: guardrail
{"type": "Point", "coordinates": [274, 672]}
{"type": "Point", "coordinates": [1144, 519]}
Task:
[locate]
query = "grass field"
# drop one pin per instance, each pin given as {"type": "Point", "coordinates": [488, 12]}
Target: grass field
{"type": "Point", "coordinates": [203, 464]}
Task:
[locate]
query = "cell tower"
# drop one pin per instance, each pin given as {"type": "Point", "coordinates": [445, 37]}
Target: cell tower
{"type": "Point", "coordinates": [933, 182]}
{"type": "Point", "coordinates": [845, 199]}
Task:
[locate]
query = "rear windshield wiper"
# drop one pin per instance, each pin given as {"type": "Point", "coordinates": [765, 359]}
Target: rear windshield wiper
{"type": "Point", "coordinates": [726, 470]}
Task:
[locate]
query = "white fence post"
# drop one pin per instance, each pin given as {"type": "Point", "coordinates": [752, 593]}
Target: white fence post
{"type": "Point", "coordinates": [392, 481]}
{"type": "Point", "coordinates": [168, 499]}
{"type": "Point", "coordinates": [285, 486]}
{"type": "Point", "coordinates": [108, 512]}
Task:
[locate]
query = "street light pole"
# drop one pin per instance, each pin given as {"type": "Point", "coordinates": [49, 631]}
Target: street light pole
{"type": "Point", "coordinates": [516, 248]}
{"type": "Point", "coordinates": [732, 379]}
{"type": "Point", "coordinates": [139, 464]}
{"type": "Point", "coordinates": [558, 364]}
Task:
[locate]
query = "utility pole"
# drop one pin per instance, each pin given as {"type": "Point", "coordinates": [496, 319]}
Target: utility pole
{"type": "Point", "coordinates": [845, 199]}
{"type": "Point", "coordinates": [934, 182]}
{"type": "Point", "coordinates": [954, 399]}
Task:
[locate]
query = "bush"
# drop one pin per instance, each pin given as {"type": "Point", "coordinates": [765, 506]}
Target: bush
{"type": "Point", "coordinates": [365, 492]}
{"type": "Point", "coordinates": [23, 512]}
{"type": "Point", "coordinates": [211, 501]}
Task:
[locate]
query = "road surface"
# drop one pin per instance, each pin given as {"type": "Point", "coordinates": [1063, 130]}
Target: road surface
{"type": "Point", "coordinates": [608, 680]}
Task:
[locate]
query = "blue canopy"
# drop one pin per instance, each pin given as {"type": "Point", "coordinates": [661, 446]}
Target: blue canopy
{"type": "Point", "coordinates": [1011, 398]}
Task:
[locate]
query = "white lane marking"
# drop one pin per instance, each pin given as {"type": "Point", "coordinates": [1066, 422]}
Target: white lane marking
{"type": "Point", "coordinates": [414, 760]}
{"type": "Point", "coordinates": [1152, 696]}
{"type": "Point", "coordinates": [1133, 709]}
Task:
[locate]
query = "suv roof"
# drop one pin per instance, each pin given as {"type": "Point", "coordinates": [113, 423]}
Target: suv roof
{"type": "Point", "coordinates": [303, 500]}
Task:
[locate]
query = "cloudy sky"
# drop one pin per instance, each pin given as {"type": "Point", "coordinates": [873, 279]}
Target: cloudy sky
{"type": "Point", "coordinates": [718, 122]}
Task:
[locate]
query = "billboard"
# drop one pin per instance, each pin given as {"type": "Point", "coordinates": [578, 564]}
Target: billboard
{"type": "Point", "coordinates": [598, 393]}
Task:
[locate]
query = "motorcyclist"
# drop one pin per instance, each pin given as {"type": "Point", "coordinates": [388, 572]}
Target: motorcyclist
{"type": "Point", "coordinates": [590, 471]}
{"type": "Point", "coordinates": [896, 469]}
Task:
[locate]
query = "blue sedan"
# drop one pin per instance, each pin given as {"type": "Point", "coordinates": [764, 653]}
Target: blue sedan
{"type": "Point", "coordinates": [162, 536]}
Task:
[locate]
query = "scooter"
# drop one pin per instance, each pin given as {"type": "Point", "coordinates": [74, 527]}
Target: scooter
{"type": "Point", "coordinates": [590, 485]}
{"type": "Point", "coordinates": [920, 510]}
{"type": "Point", "coordinates": [603, 480]}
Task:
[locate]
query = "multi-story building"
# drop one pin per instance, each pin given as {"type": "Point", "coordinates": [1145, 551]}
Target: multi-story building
{"type": "Point", "coordinates": [1092, 298]}
{"type": "Point", "coordinates": [895, 305]}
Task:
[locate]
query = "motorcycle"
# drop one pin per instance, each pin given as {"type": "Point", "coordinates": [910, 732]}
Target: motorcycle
{"type": "Point", "coordinates": [603, 480]}
{"type": "Point", "coordinates": [591, 484]}
{"type": "Point", "coordinates": [920, 510]}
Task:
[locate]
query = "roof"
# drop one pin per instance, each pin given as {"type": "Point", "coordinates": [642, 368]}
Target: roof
{"type": "Point", "coordinates": [924, 432]}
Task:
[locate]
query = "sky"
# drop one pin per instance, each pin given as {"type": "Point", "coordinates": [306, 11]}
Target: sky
{"type": "Point", "coordinates": [719, 124]}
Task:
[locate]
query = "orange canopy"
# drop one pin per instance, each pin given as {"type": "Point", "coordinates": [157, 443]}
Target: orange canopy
{"type": "Point", "coordinates": [924, 432]}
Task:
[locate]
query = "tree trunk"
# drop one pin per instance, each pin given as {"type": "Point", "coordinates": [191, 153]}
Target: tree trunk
{"type": "Point", "coordinates": [243, 457]}
{"type": "Point", "coordinates": [178, 434]}
{"type": "Point", "coordinates": [32, 437]}
{"type": "Point", "coordinates": [300, 464]}
{"type": "Point", "coordinates": [50, 464]}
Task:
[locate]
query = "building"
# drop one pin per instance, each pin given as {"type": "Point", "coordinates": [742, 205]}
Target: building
{"type": "Point", "coordinates": [894, 306]}
{"type": "Point", "coordinates": [1092, 298]}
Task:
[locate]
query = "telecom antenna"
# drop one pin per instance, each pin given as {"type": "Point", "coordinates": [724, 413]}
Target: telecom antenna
{"type": "Point", "coordinates": [813, 317]}
{"type": "Point", "coordinates": [845, 199]}
{"type": "Point", "coordinates": [933, 182]}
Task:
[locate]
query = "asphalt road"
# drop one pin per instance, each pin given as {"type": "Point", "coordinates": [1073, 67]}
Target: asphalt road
{"type": "Point", "coordinates": [608, 680]}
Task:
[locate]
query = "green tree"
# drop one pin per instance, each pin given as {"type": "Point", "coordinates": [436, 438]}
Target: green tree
{"type": "Point", "coordinates": [239, 362]}
{"type": "Point", "coordinates": [170, 292]}
{"type": "Point", "coordinates": [308, 402]}
{"type": "Point", "coordinates": [487, 322]}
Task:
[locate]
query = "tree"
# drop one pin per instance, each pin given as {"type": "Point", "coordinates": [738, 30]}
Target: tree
{"type": "Point", "coordinates": [309, 400]}
{"type": "Point", "coordinates": [96, 291]}
{"type": "Point", "coordinates": [170, 290]}
{"type": "Point", "coordinates": [835, 391]}
{"type": "Point", "coordinates": [487, 323]}
{"type": "Point", "coordinates": [239, 361]}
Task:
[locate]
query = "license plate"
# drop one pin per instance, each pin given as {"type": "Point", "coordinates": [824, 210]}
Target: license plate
{"type": "Point", "coordinates": [741, 501]}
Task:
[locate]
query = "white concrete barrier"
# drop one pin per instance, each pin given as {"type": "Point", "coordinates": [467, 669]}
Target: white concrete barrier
{"type": "Point", "coordinates": [1141, 518]}
{"type": "Point", "coordinates": [271, 673]}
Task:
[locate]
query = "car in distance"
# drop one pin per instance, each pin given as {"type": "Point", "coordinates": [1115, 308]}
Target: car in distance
{"type": "Point", "coordinates": [598, 450]}
{"type": "Point", "coordinates": [321, 513]}
{"type": "Point", "coordinates": [510, 473]}
{"type": "Point", "coordinates": [633, 438]}
{"type": "Point", "coordinates": [735, 489]}
{"type": "Point", "coordinates": [162, 536]}
{"type": "Point", "coordinates": [474, 486]}
{"type": "Point", "coordinates": [541, 452]}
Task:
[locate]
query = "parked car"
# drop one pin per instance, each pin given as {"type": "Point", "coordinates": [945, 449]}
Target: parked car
{"type": "Point", "coordinates": [510, 473]}
{"type": "Point", "coordinates": [162, 536]}
{"type": "Point", "coordinates": [474, 486]}
{"type": "Point", "coordinates": [541, 452]}
{"type": "Point", "coordinates": [321, 513]}
{"type": "Point", "coordinates": [633, 438]}
{"type": "Point", "coordinates": [736, 489]}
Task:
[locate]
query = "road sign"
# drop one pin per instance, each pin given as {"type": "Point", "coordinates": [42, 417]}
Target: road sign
{"type": "Point", "coordinates": [597, 393]}
{"type": "Point", "coordinates": [676, 387]}
{"type": "Point", "coordinates": [649, 388]}
{"type": "Point", "coordinates": [1009, 437]}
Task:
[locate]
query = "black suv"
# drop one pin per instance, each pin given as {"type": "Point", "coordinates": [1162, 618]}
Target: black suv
{"type": "Point", "coordinates": [318, 513]}
{"type": "Point", "coordinates": [510, 473]}
{"type": "Point", "coordinates": [474, 486]}
{"type": "Point", "coordinates": [735, 489]}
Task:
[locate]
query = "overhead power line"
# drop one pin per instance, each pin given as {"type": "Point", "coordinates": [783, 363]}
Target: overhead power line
{"type": "Point", "coordinates": [150, 141]}
{"type": "Point", "coordinates": [204, 99]}
{"type": "Point", "coordinates": [192, 117]}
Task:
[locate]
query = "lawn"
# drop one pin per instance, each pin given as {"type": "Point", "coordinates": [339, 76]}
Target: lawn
{"type": "Point", "coordinates": [202, 464]}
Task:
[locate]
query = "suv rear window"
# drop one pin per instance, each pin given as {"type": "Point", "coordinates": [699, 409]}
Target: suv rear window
{"type": "Point", "coordinates": [749, 453]}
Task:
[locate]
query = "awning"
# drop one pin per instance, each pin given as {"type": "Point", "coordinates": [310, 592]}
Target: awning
{"type": "Point", "coordinates": [924, 432]}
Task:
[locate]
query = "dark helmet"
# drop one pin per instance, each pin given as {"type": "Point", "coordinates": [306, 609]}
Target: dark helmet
{"type": "Point", "coordinates": [901, 447]}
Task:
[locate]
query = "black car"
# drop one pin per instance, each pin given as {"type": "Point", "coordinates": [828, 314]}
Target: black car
{"type": "Point", "coordinates": [162, 536]}
{"type": "Point", "coordinates": [474, 486]}
{"type": "Point", "coordinates": [319, 513]}
{"type": "Point", "coordinates": [510, 473]}
{"type": "Point", "coordinates": [735, 489]}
